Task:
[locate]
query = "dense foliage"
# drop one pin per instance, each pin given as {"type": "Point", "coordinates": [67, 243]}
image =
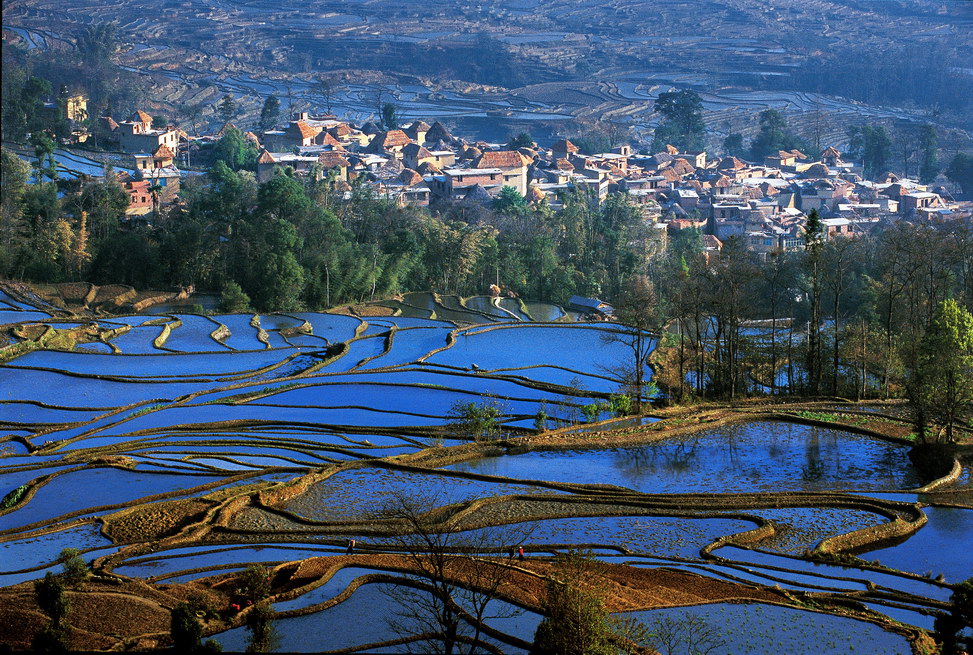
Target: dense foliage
{"type": "Point", "coordinates": [289, 243]}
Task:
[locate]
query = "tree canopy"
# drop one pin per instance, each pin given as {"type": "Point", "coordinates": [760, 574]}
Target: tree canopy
{"type": "Point", "coordinates": [682, 120]}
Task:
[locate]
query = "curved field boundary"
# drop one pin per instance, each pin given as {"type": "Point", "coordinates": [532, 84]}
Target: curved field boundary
{"type": "Point", "coordinates": [262, 335]}
{"type": "Point", "coordinates": [223, 480]}
{"type": "Point", "coordinates": [160, 341]}
{"type": "Point", "coordinates": [950, 478]}
{"type": "Point", "coordinates": [220, 335]}
{"type": "Point", "coordinates": [870, 537]}
{"type": "Point", "coordinates": [389, 339]}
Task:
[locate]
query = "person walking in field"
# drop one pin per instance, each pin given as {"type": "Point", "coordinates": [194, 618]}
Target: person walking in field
{"type": "Point", "coordinates": [351, 547]}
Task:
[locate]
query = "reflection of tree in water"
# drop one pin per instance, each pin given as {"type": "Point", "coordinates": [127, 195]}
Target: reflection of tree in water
{"type": "Point", "coordinates": [813, 468]}
{"type": "Point", "coordinates": [892, 465]}
{"type": "Point", "coordinates": [672, 458]}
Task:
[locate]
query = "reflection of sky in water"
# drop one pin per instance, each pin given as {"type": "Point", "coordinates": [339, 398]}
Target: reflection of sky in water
{"type": "Point", "coordinates": [377, 607]}
{"type": "Point", "coordinates": [755, 456]}
{"type": "Point", "coordinates": [756, 629]}
{"type": "Point", "coordinates": [944, 545]}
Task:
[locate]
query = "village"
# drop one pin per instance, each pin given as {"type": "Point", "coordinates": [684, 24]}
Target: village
{"type": "Point", "coordinates": [764, 203]}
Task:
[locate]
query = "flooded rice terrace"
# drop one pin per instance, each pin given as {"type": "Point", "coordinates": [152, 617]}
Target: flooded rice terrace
{"type": "Point", "coordinates": [175, 447]}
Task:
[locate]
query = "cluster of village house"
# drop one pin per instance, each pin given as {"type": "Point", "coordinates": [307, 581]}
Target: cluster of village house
{"type": "Point", "coordinates": [764, 203]}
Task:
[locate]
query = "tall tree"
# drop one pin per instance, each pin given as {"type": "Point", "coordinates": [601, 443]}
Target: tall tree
{"type": "Point", "coordinates": [682, 120]}
{"type": "Point", "coordinates": [813, 246]}
{"type": "Point", "coordinates": [733, 145]}
{"type": "Point", "coordinates": [227, 108]}
{"type": "Point", "coordinates": [14, 173]}
{"type": "Point", "coordinates": [453, 582]}
{"type": "Point", "coordinates": [774, 135]}
{"type": "Point", "coordinates": [575, 619]}
{"type": "Point", "coordinates": [638, 310]}
{"type": "Point", "coordinates": [960, 171]}
{"type": "Point", "coordinates": [390, 118]}
{"type": "Point", "coordinates": [235, 151]}
{"type": "Point", "coordinates": [940, 384]}
{"type": "Point", "coordinates": [269, 113]}
{"type": "Point", "coordinates": [877, 149]}
{"type": "Point", "coordinates": [929, 151]}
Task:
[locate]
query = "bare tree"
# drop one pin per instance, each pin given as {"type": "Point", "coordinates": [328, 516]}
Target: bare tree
{"type": "Point", "coordinates": [684, 634]}
{"type": "Point", "coordinates": [457, 576]}
{"type": "Point", "coordinates": [637, 309]}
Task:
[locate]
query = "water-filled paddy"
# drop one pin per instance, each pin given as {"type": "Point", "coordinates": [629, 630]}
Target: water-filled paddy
{"type": "Point", "coordinates": [575, 347]}
{"type": "Point", "coordinates": [943, 546]}
{"type": "Point", "coordinates": [338, 414]}
{"type": "Point", "coordinates": [19, 554]}
{"type": "Point", "coordinates": [79, 490]}
{"type": "Point", "coordinates": [368, 492]}
{"type": "Point", "coordinates": [194, 335]}
{"type": "Point", "coordinates": [161, 365]}
{"type": "Point", "coordinates": [760, 456]}
{"type": "Point", "coordinates": [341, 626]}
{"type": "Point", "coordinates": [756, 629]}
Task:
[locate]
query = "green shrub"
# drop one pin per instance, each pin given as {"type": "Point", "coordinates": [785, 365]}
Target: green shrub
{"type": "Point", "coordinates": [620, 404]}
{"type": "Point", "coordinates": [51, 598]}
{"type": "Point", "coordinates": [476, 421]}
{"type": "Point", "coordinates": [591, 412]}
{"type": "Point", "coordinates": [73, 565]}
{"type": "Point", "coordinates": [13, 497]}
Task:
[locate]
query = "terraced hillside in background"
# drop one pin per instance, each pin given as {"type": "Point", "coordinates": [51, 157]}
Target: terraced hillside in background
{"type": "Point", "coordinates": [175, 449]}
{"type": "Point", "coordinates": [543, 66]}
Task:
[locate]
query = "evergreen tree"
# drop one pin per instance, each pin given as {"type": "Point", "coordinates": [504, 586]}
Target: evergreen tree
{"type": "Point", "coordinates": [929, 151]}
{"type": "Point", "coordinates": [270, 113]}
{"type": "Point", "coordinates": [774, 135]}
{"type": "Point", "coordinates": [261, 628]}
{"type": "Point", "coordinates": [235, 151]}
{"type": "Point", "coordinates": [682, 121]}
{"type": "Point", "coordinates": [960, 171]}
{"type": "Point", "coordinates": [185, 629]}
{"type": "Point", "coordinates": [733, 145]}
{"type": "Point", "coordinates": [390, 119]}
{"type": "Point", "coordinates": [876, 150]}
{"type": "Point", "coordinates": [227, 108]}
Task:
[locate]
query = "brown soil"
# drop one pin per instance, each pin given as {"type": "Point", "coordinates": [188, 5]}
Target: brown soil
{"type": "Point", "coordinates": [154, 521]}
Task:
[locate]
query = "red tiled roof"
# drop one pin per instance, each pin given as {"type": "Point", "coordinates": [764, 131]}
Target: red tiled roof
{"type": "Point", "coordinates": [409, 177]}
{"type": "Point", "coordinates": [428, 168]}
{"type": "Point", "coordinates": [395, 138]}
{"type": "Point", "coordinates": [163, 152]}
{"type": "Point", "coordinates": [417, 151]}
{"type": "Point", "coordinates": [500, 159]}
{"type": "Point", "coordinates": [383, 141]}
{"type": "Point", "coordinates": [670, 174]}
{"type": "Point", "coordinates": [710, 241]}
{"type": "Point", "coordinates": [302, 128]}
{"type": "Point", "coordinates": [332, 160]}
{"type": "Point", "coordinates": [564, 145]}
{"type": "Point", "coordinates": [438, 132]}
{"type": "Point", "coordinates": [265, 158]}
{"type": "Point", "coordinates": [341, 129]}
{"type": "Point", "coordinates": [682, 166]}
{"type": "Point", "coordinates": [325, 139]}
{"type": "Point", "coordinates": [141, 117]}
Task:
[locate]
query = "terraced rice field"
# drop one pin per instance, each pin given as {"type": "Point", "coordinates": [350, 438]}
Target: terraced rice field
{"type": "Point", "coordinates": [196, 445]}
